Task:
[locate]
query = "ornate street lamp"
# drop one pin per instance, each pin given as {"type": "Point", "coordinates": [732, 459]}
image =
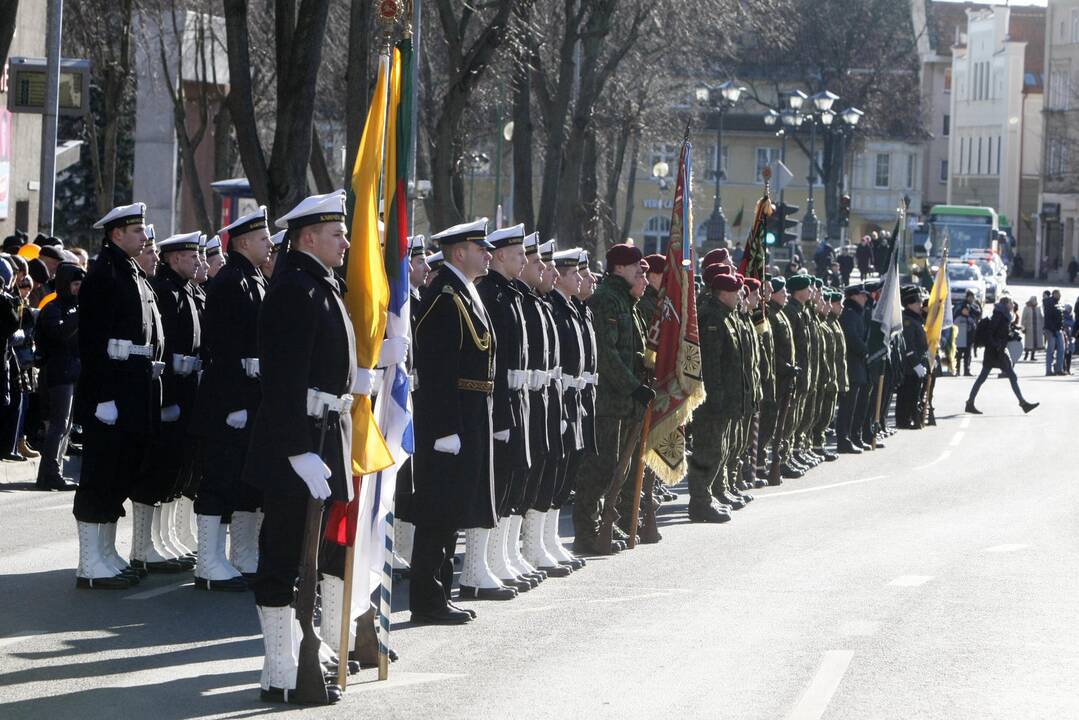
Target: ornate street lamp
{"type": "Point", "coordinates": [723, 98]}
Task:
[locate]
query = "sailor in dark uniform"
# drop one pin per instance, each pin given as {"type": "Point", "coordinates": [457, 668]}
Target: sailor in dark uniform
{"type": "Point", "coordinates": [276, 241]}
{"type": "Point", "coordinates": [307, 363]}
{"type": "Point", "coordinates": [502, 299]}
{"type": "Point", "coordinates": [452, 470]}
{"type": "Point", "coordinates": [117, 400]}
{"type": "Point", "coordinates": [228, 398]}
{"type": "Point", "coordinates": [215, 257]}
{"type": "Point", "coordinates": [908, 399]}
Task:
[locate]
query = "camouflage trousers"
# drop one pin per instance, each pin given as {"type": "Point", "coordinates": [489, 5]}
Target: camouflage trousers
{"type": "Point", "coordinates": [825, 414]}
{"type": "Point", "coordinates": [595, 476]}
{"type": "Point", "coordinates": [711, 447]}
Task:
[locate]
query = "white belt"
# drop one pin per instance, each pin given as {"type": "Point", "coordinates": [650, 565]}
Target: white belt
{"type": "Point", "coordinates": [554, 375]}
{"type": "Point", "coordinates": [575, 382]}
{"type": "Point", "coordinates": [517, 379]}
{"type": "Point", "coordinates": [123, 349]}
{"type": "Point", "coordinates": [184, 365]}
{"type": "Point", "coordinates": [250, 366]}
{"type": "Point", "coordinates": [317, 401]}
{"type": "Point", "coordinates": [157, 369]}
{"type": "Point", "coordinates": [590, 378]}
{"type": "Point", "coordinates": [537, 379]}
{"type": "Point", "coordinates": [414, 380]}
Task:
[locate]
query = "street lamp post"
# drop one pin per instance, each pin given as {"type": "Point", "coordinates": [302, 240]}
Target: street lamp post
{"type": "Point", "coordinates": [729, 93]}
{"type": "Point", "coordinates": [822, 113]}
{"type": "Point", "coordinates": [844, 129]}
{"type": "Point", "coordinates": [475, 162]}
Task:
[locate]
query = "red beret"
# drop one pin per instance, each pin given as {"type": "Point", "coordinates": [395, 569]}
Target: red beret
{"type": "Point", "coordinates": [752, 283]}
{"type": "Point", "coordinates": [728, 282]}
{"type": "Point", "coordinates": [715, 269]}
{"type": "Point", "coordinates": [623, 254]}
{"type": "Point", "coordinates": [656, 263]}
{"type": "Point", "coordinates": [719, 255]}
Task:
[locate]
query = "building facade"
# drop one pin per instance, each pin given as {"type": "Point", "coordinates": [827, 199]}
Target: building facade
{"type": "Point", "coordinates": [1058, 217]}
{"type": "Point", "coordinates": [995, 144]}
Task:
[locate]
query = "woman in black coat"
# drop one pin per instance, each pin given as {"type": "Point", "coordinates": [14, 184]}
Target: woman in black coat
{"type": "Point", "coordinates": [996, 355]}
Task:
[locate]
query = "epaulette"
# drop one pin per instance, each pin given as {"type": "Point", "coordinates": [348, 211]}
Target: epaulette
{"type": "Point", "coordinates": [448, 290]}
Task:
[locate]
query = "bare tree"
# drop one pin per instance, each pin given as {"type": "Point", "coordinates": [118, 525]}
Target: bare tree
{"type": "Point", "coordinates": [279, 181]}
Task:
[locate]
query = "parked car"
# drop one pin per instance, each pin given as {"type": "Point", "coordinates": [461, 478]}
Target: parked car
{"type": "Point", "coordinates": [994, 272]}
{"type": "Point", "coordinates": [963, 276]}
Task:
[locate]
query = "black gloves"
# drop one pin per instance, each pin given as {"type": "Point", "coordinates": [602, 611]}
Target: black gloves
{"type": "Point", "coordinates": [644, 395]}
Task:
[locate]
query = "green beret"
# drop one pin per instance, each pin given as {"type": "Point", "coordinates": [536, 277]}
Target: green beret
{"type": "Point", "coordinates": [798, 282]}
{"type": "Point", "coordinates": [778, 283]}
{"type": "Point", "coordinates": [817, 282]}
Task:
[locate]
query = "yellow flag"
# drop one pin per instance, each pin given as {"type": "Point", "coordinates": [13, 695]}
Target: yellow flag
{"type": "Point", "coordinates": [368, 296]}
{"type": "Point", "coordinates": [934, 320]}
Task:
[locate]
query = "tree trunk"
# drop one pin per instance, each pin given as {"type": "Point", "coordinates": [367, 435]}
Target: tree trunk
{"type": "Point", "coordinates": [590, 193]}
{"type": "Point", "coordinates": [523, 204]}
{"type": "Point", "coordinates": [324, 183]}
{"type": "Point", "coordinates": [8, 11]}
{"type": "Point", "coordinates": [631, 185]}
{"type": "Point", "coordinates": [241, 101]}
{"type": "Point", "coordinates": [357, 79]}
{"type": "Point", "coordinates": [616, 161]}
{"type": "Point", "coordinates": [224, 152]}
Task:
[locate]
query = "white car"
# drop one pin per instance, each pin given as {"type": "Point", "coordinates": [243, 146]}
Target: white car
{"type": "Point", "coordinates": [964, 276]}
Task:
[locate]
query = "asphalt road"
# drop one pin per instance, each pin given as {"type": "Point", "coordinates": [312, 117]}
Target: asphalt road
{"type": "Point", "coordinates": [931, 579]}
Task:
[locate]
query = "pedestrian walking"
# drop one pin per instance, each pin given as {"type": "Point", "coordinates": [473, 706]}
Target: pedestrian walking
{"type": "Point", "coordinates": [965, 325]}
{"type": "Point", "coordinates": [1033, 328]}
{"type": "Point", "coordinates": [993, 333]}
{"type": "Point", "coordinates": [1054, 333]}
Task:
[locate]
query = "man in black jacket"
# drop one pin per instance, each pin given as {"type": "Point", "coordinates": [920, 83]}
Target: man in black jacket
{"type": "Point", "coordinates": [228, 398]}
{"type": "Point", "coordinates": [307, 363]}
{"type": "Point", "coordinates": [453, 474]}
{"type": "Point", "coordinates": [58, 345]}
{"type": "Point", "coordinates": [853, 403]}
{"type": "Point", "coordinates": [915, 361]}
{"type": "Point", "coordinates": [117, 401]}
{"type": "Point", "coordinates": [996, 356]}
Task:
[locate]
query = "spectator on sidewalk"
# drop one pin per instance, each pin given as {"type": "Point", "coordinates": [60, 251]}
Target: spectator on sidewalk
{"type": "Point", "coordinates": [1033, 328]}
{"type": "Point", "coordinates": [1069, 339]}
{"type": "Point", "coordinates": [11, 387]}
{"type": "Point", "coordinates": [864, 257]}
{"type": "Point", "coordinates": [58, 357]}
{"type": "Point", "coordinates": [846, 267]}
{"type": "Point", "coordinates": [964, 338]}
{"type": "Point", "coordinates": [1054, 334]}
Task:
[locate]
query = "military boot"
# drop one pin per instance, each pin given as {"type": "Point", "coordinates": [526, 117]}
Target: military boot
{"type": "Point", "coordinates": [708, 511]}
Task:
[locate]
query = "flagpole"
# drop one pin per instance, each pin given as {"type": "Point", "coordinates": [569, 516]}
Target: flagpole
{"type": "Point", "coordinates": [638, 478]}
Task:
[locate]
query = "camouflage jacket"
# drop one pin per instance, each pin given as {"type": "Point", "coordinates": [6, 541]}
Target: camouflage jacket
{"type": "Point", "coordinates": [620, 347]}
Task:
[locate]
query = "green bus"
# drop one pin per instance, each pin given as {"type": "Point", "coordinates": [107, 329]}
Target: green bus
{"type": "Point", "coordinates": [960, 227]}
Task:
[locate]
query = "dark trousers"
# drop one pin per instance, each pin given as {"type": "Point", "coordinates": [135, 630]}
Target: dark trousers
{"type": "Point", "coordinates": [907, 414]}
{"type": "Point", "coordinates": [962, 360]}
{"type": "Point", "coordinates": [847, 416]}
{"type": "Point", "coordinates": [56, 437]}
{"type": "Point", "coordinates": [11, 416]}
{"type": "Point", "coordinates": [221, 491]}
{"type": "Point", "coordinates": [110, 466]}
{"type": "Point", "coordinates": [596, 475]}
{"type": "Point", "coordinates": [281, 546]}
{"type": "Point", "coordinates": [1004, 364]}
{"type": "Point", "coordinates": [431, 577]}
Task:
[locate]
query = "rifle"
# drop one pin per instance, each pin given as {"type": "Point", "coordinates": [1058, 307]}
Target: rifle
{"type": "Point", "coordinates": [310, 680]}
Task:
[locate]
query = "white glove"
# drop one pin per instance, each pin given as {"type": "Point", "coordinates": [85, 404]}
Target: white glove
{"type": "Point", "coordinates": [18, 336]}
{"type": "Point", "coordinates": [394, 350]}
{"type": "Point", "coordinates": [564, 426]}
{"type": "Point", "coordinates": [170, 413]}
{"type": "Point", "coordinates": [920, 371]}
{"type": "Point", "coordinates": [502, 436]}
{"type": "Point", "coordinates": [107, 413]}
{"type": "Point", "coordinates": [364, 382]}
{"type": "Point", "coordinates": [237, 420]}
{"type": "Point", "coordinates": [450, 444]}
{"type": "Point", "coordinates": [313, 472]}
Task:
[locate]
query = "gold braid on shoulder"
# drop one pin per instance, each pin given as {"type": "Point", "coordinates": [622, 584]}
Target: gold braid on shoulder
{"type": "Point", "coordinates": [482, 344]}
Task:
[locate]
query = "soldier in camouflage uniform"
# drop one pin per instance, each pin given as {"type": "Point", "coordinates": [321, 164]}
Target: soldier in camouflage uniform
{"type": "Point", "coordinates": [828, 388]}
{"type": "Point", "coordinates": [766, 418]}
{"type": "Point", "coordinates": [745, 471]}
{"type": "Point", "coordinates": [728, 395]}
{"type": "Point", "coordinates": [786, 371]}
{"type": "Point", "coordinates": [799, 293]}
{"type": "Point", "coordinates": [621, 394]}
{"type": "Point", "coordinates": [838, 362]}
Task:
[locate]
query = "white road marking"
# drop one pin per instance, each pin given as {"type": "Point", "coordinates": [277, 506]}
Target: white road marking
{"type": "Point", "coordinates": [910, 580]}
{"type": "Point", "coordinates": [957, 438]}
{"type": "Point", "coordinates": [156, 592]}
{"type": "Point", "coordinates": [964, 423]}
{"type": "Point", "coordinates": [1008, 547]}
{"type": "Point", "coordinates": [815, 699]}
{"type": "Point", "coordinates": [17, 637]}
{"type": "Point", "coordinates": [823, 487]}
{"type": "Point", "coordinates": [943, 456]}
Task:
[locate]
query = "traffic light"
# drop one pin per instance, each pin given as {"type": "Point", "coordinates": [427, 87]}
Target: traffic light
{"type": "Point", "coordinates": [844, 211]}
{"type": "Point", "coordinates": [784, 223]}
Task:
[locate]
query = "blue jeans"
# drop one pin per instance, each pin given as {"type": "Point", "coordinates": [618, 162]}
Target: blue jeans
{"type": "Point", "coordinates": [1054, 351]}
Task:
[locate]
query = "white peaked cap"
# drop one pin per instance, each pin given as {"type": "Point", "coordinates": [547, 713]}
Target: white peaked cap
{"type": "Point", "coordinates": [132, 214]}
{"type": "Point", "coordinates": [315, 209]}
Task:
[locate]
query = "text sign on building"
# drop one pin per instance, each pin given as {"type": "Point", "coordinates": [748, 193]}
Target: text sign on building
{"type": "Point", "coordinates": [28, 86]}
{"type": "Point", "coordinates": [654, 204]}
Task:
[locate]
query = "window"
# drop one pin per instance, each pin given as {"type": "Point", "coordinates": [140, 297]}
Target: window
{"type": "Point", "coordinates": [912, 163]}
{"type": "Point", "coordinates": [1075, 26]}
{"type": "Point", "coordinates": [765, 157]}
{"type": "Point", "coordinates": [976, 82]}
{"type": "Point", "coordinates": [989, 158]}
{"type": "Point", "coordinates": [1059, 89]}
{"type": "Point", "coordinates": [711, 154]}
{"type": "Point", "coordinates": [970, 154]}
{"type": "Point", "coordinates": [1058, 157]}
{"type": "Point", "coordinates": [979, 156]}
{"type": "Point", "coordinates": [882, 172]}
{"type": "Point", "coordinates": [657, 232]}
{"type": "Point", "coordinates": [946, 125]}
{"type": "Point", "coordinates": [998, 154]}
{"type": "Point", "coordinates": [944, 171]}
{"type": "Point", "coordinates": [664, 152]}
{"type": "Point", "coordinates": [947, 80]}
